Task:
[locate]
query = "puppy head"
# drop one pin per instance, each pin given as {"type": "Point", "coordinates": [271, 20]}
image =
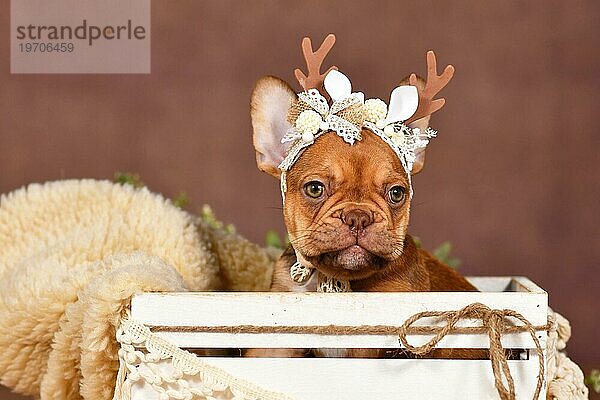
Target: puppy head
{"type": "Point", "coordinates": [347, 206]}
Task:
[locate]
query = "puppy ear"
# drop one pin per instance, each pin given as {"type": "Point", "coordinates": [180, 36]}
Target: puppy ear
{"type": "Point", "coordinates": [269, 105]}
{"type": "Point", "coordinates": [422, 124]}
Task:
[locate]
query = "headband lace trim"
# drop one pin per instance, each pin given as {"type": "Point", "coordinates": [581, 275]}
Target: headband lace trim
{"type": "Point", "coordinates": [311, 116]}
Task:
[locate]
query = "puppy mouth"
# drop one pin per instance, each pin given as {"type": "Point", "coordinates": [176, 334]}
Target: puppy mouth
{"type": "Point", "coordinates": [352, 258]}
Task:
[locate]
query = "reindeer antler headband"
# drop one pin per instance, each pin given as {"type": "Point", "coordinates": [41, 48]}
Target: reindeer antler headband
{"type": "Point", "coordinates": [311, 115]}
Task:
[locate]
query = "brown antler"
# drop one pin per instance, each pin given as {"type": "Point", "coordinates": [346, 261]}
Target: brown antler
{"type": "Point", "coordinates": [433, 85]}
{"type": "Point", "coordinates": [314, 60]}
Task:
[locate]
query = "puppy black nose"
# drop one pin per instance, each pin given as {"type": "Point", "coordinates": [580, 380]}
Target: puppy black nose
{"type": "Point", "coordinates": [357, 219]}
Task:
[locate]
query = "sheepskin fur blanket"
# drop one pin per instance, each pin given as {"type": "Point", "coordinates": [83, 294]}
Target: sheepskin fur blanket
{"type": "Point", "coordinates": [74, 252]}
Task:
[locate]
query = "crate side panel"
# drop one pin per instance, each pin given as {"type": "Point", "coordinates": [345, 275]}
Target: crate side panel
{"type": "Point", "coordinates": [523, 284]}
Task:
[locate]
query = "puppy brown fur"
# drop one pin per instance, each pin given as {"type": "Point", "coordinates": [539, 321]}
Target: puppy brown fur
{"type": "Point", "coordinates": [377, 257]}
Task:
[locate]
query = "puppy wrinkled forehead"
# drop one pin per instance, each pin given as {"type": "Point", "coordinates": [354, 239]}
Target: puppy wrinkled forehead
{"type": "Point", "coordinates": [370, 159]}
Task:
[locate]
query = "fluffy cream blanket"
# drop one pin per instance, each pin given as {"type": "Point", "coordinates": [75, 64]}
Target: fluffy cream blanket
{"type": "Point", "coordinates": [74, 252]}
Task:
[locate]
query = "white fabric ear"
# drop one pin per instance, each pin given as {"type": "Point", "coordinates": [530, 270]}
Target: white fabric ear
{"type": "Point", "coordinates": [269, 106]}
{"type": "Point", "coordinates": [337, 85]}
{"type": "Point", "coordinates": [404, 101]}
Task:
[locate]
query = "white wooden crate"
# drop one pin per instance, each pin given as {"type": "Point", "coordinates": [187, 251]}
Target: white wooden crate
{"type": "Point", "coordinates": [333, 378]}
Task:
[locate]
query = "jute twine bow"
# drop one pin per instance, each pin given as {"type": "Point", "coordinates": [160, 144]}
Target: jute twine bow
{"type": "Point", "coordinates": [494, 322]}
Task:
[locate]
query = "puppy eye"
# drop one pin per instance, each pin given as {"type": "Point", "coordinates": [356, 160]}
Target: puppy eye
{"type": "Point", "coordinates": [396, 194]}
{"type": "Point", "coordinates": [314, 189]}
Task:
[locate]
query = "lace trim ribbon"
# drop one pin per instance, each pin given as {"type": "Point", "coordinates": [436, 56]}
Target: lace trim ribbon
{"type": "Point", "coordinates": [136, 365]}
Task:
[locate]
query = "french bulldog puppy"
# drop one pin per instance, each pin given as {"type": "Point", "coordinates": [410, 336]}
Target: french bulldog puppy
{"type": "Point", "coordinates": [346, 207]}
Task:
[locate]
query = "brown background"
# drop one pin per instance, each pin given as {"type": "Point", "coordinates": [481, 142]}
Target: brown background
{"type": "Point", "coordinates": [512, 179]}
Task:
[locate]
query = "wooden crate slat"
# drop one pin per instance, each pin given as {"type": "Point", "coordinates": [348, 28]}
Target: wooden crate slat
{"type": "Point", "coordinates": [271, 309]}
{"type": "Point", "coordinates": [359, 379]}
{"type": "Point", "coordinates": [268, 340]}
